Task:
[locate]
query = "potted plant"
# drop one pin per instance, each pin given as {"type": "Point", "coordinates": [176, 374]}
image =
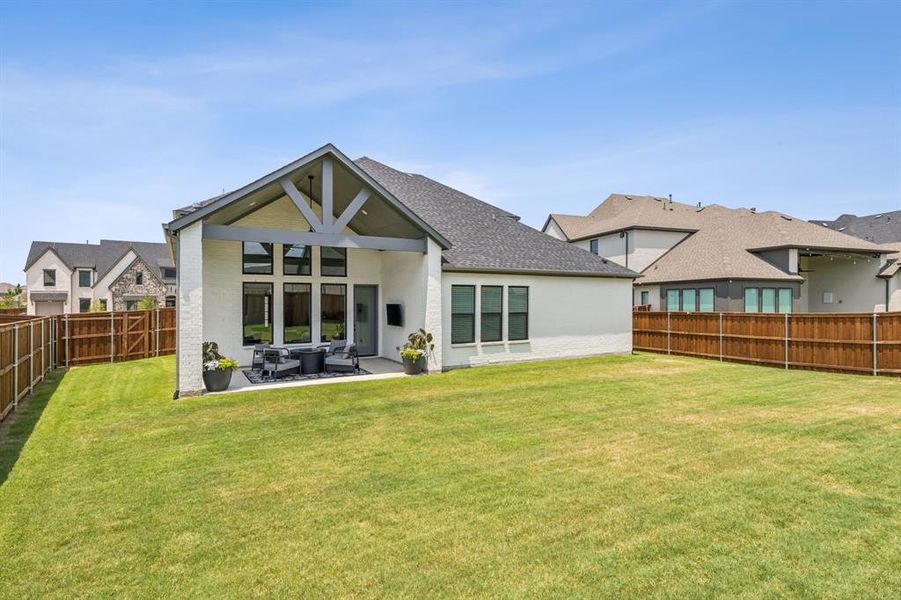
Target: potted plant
{"type": "Point", "coordinates": [415, 352]}
{"type": "Point", "coordinates": [217, 369]}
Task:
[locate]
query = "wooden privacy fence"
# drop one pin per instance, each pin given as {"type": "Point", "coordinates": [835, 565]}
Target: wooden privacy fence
{"type": "Point", "coordinates": [853, 342]}
{"type": "Point", "coordinates": [31, 346]}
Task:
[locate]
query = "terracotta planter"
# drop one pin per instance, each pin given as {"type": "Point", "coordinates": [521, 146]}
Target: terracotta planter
{"type": "Point", "coordinates": [414, 367]}
{"type": "Point", "coordinates": [217, 381]}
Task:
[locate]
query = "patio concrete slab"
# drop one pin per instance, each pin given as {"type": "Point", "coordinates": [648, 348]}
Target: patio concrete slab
{"type": "Point", "coordinates": [379, 368]}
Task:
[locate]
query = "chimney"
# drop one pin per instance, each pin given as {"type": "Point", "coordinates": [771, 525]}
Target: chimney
{"type": "Point", "coordinates": [670, 198]}
{"type": "Point", "coordinates": [699, 205]}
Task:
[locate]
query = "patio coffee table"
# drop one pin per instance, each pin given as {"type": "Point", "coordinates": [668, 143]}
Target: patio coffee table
{"type": "Point", "coordinates": [310, 360]}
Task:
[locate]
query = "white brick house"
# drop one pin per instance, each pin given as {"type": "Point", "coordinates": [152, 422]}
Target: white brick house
{"type": "Point", "coordinates": [328, 248]}
{"type": "Point", "coordinates": [115, 274]}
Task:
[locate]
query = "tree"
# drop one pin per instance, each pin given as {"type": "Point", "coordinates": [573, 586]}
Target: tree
{"type": "Point", "coordinates": [147, 303]}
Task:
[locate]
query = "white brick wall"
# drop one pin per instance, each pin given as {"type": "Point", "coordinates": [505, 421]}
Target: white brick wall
{"type": "Point", "coordinates": [189, 353]}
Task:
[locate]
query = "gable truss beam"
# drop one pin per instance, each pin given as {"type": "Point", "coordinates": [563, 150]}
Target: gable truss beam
{"type": "Point", "coordinates": [311, 238]}
{"type": "Point", "coordinates": [301, 205]}
{"type": "Point", "coordinates": [352, 209]}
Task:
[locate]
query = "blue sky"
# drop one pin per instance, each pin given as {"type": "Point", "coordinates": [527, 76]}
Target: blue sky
{"type": "Point", "coordinates": [113, 114]}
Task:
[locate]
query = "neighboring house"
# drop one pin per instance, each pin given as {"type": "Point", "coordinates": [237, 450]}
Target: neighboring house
{"type": "Point", "coordinates": [328, 248]}
{"type": "Point", "coordinates": [714, 258]}
{"type": "Point", "coordinates": [883, 229]}
{"type": "Point", "coordinates": [114, 274]}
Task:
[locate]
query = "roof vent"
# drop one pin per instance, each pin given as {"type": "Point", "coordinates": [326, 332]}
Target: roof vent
{"type": "Point", "coordinates": [699, 205]}
{"type": "Point", "coordinates": [670, 198]}
{"type": "Point", "coordinates": [754, 210]}
{"type": "Point", "coordinates": [786, 217]}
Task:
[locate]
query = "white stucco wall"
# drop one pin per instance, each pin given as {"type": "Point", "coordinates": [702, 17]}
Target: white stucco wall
{"type": "Point", "coordinates": [34, 280]}
{"type": "Point", "coordinates": [568, 317]}
{"type": "Point", "coordinates": [190, 310]}
{"type": "Point", "coordinates": [895, 292]}
{"type": "Point", "coordinates": [403, 283]}
{"type": "Point", "coordinates": [554, 230]}
{"type": "Point", "coordinates": [653, 295]}
{"type": "Point", "coordinates": [853, 283]}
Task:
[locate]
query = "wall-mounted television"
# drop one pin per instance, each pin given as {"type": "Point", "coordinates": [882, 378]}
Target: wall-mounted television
{"type": "Point", "coordinates": [395, 315]}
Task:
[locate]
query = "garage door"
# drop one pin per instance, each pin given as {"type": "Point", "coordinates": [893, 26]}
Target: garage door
{"type": "Point", "coordinates": [48, 308]}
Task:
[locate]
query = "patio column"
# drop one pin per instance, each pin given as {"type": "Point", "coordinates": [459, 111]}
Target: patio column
{"type": "Point", "coordinates": [189, 311]}
{"type": "Point", "coordinates": [433, 302]}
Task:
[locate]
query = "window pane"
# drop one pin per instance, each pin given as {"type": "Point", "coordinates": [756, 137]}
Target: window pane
{"type": "Point", "coordinates": [257, 258]}
{"type": "Point", "coordinates": [333, 314]}
{"type": "Point", "coordinates": [463, 307]}
{"type": "Point", "coordinates": [297, 313]}
{"type": "Point", "coordinates": [672, 300]}
{"type": "Point", "coordinates": [751, 300]}
{"type": "Point", "coordinates": [785, 300]}
{"type": "Point", "coordinates": [139, 278]}
{"type": "Point", "coordinates": [257, 313]}
{"type": "Point", "coordinates": [688, 300]}
{"type": "Point", "coordinates": [296, 260]}
{"type": "Point", "coordinates": [103, 304]}
{"type": "Point", "coordinates": [518, 313]}
{"type": "Point", "coordinates": [84, 279]}
{"type": "Point", "coordinates": [492, 313]}
{"type": "Point", "coordinates": [333, 262]}
{"type": "Point", "coordinates": [84, 305]}
{"type": "Point", "coordinates": [705, 300]}
{"type": "Point", "coordinates": [768, 300]}
{"type": "Point", "coordinates": [50, 277]}
{"type": "Point", "coordinates": [594, 246]}
{"type": "Point", "coordinates": [170, 301]}
{"type": "Point", "coordinates": [645, 298]}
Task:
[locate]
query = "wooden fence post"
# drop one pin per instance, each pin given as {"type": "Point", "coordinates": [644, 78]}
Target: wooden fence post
{"type": "Point", "coordinates": [156, 331]}
{"type": "Point", "coordinates": [43, 350]}
{"type": "Point", "coordinates": [66, 318]}
{"type": "Point", "coordinates": [668, 329]}
{"type": "Point", "coordinates": [786, 340]}
{"type": "Point", "coordinates": [30, 357]}
{"type": "Point", "coordinates": [112, 338]}
{"type": "Point", "coordinates": [16, 367]}
{"type": "Point", "coordinates": [721, 337]}
{"type": "Point", "coordinates": [875, 348]}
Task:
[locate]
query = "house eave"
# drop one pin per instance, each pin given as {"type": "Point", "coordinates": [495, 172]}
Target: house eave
{"type": "Point", "coordinates": [541, 272]}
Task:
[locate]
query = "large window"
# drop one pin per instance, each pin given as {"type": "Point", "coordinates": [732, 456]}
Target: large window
{"type": "Point", "coordinates": [257, 313]}
{"type": "Point", "coordinates": [672, 300]}
{"type": "Point", "coordinates": [517, 313]}
{"type": "Point", "coordinates": [84, 278]}
{"type": "Point", "coordinates": [297, 313]}
{"type": "Point", "coordinates": [333, 311]}
{"type": "Point", "coordinates": [50, 277]}
{"type": "Point", "coordinates": [706, 300]}
{"type": "Point", "coordinates": [257, 258]}
{"type": "Point", "coordinates": [768, 300]}
{"type": "Point", "coordinates": [593, 246]}
{"type": "Point", "coordinates": [296, 260]}
{"type": "Point", "coordinates": [492, 311]}
{"type": "Point", "coordinates": [333, 262]}
{"type": "Point", "coordinates": [751, 300]}
{"type": "Point", "coordinates": [689, 300]}
{"type": "Point", "coordinates": [84, 305]}
{"type": "Point", "coordinates": [463, 314]}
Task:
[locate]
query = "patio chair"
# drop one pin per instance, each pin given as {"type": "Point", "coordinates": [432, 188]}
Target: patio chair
{"type": "Point", "coordinates": [334, 346]}
{"type": "Point", "coordinates": [278, 360]}
{"type": "Point", "coordinates": [344, 359]}
{"type": "Point", "coordinates": [256, 363]}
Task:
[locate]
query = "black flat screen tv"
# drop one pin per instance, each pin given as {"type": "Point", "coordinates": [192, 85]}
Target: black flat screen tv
{"type": "Point", "coordinates": [395, 315]}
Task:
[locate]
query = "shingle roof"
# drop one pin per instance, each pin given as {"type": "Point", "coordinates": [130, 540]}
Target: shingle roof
{"type": "Point", "coordinates": [103, 256]}
{"type": "Point", "coordinates": [722, 241]}
{"type": "Point", "coordinates": [482, 236]}
{"type": "Point", "coordinates": [881, 228]}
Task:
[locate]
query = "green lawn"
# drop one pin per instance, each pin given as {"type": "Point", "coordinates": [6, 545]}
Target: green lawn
{"type": "Point", "coordinates": [643, 475]}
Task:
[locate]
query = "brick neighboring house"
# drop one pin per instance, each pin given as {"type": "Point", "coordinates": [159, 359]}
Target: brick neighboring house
{"type": "Point", "coordinates": [116, 274]}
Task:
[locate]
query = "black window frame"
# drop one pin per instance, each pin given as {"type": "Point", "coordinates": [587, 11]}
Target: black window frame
{"type": "Point", "coordinates": [322, 272]}
{"type": "Point", "coordinates": [511, 314]}
{"type": "Point", "coordinates": [168, 272]}
{"type": "Point", "coordinates": [309, 287]}
{"type": "Point", "coordinates": [167, 304]}
{"type": "Point", "coordinates": [593, 246]}
{"type": "Point", "coordinates": [713, 292]}
{"type": "Point", "coordinates": [82, 272]}
{"type": "Point", "coordinates": [499, 315]}
{"type": "Point", "coordinates": [52, 273]}
{"type": "Point", "coordinates": [82, 307]}
{"type": "Point", "coordinates": [244, 256]}
{"type": "Point", "coordinates": [139, 277]}
{"type": "Point", "coordinates": [103, 304]}
{"type": "Point", "coordinates": [245, 341]}
{"type": "Point", "coordinates": [644, 295]}
{"type": "Point", "coordinates": [308, 263]}
{"type": "Point", "coordinates": [457, 315]}
{"type": "Point", "coordinates": [322, 287]}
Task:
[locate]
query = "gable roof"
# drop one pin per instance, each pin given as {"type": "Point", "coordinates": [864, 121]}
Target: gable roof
{"type": "Point", "coordinates": [475, 235]}
{"type": "Point", "coordinates": [722, 243]}
{"type": "Point", "coordinates": [104, 256]}
{"type": "Point", "coordinates": [882, 228]}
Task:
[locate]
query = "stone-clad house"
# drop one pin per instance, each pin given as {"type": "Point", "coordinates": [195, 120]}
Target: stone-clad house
{"type": "Point", "coordinates": [112, 275]}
